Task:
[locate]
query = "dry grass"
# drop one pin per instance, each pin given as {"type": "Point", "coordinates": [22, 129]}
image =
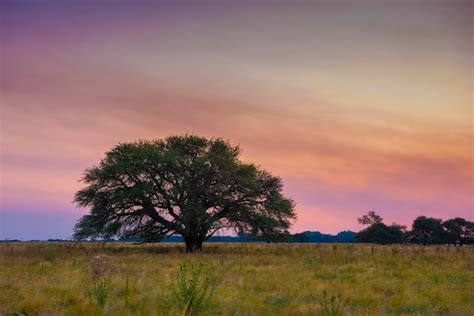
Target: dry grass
{"type": "Point", "coordinates": [249, 279]}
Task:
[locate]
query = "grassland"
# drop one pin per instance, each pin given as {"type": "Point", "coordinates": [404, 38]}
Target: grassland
{"type": "Point", "coordinates": [249, 279]}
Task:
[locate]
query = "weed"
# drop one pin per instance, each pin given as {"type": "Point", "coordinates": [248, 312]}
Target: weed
{"type": "Point", "coordinates": [192, 291]}
{"type": "Point", "coordinates": [127, 292]}
{"type": "Point", "coordinates": [331, 306]}
{"type": "Point", "coordinates": [100, 290]}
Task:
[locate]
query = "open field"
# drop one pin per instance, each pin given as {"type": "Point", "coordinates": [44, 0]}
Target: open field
{"type": "Point", "coordinates": [249, 279]}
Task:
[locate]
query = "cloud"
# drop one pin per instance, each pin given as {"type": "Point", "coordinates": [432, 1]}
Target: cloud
{"type": "Point", "coordinates": [351, 115]}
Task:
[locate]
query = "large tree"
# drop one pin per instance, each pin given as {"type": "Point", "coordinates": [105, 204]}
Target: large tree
{"type": "Point", "coordinates": [186, 185]}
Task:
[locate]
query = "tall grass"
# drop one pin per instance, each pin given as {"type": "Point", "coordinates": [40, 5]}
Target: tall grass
{"type": "Point", "coordinates": [253, 279]}
{"type": "Point", "coordinates": [100, 291]}
{"type": "Point", "coordinates": [331, 306]}
{"type": "Point", "coordinates": [192, 291]}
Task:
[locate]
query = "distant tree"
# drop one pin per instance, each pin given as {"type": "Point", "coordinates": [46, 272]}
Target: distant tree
{"type": "Point", "coordinates": [370, 219]}
{"type": "Point", "coordinates": [277, 237]}
{"type": "Point", "coordinates": [300, 238]}
{"type": "Point", "coordinates": [459, 230]}
{"type": "Point", "coordinates": [184, 185]}
{"type": "Point", "coordinates": [346, 237]}
{"type": "Point", "coordinates": [427, 230]}
{"type": "Point", "coordinates": [380, 233]}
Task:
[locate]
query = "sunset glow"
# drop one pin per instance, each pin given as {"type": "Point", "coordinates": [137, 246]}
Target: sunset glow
{"type": "Point", "coordinates": [357, 107]}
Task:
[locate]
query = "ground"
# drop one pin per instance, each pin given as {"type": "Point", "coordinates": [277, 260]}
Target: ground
{"type": "Point", "coordinates": [249, 279]}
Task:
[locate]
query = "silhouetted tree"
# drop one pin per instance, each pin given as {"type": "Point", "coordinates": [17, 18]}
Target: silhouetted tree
{"type": "Point", "coordinates": [380, 233]}
{"type": "Point", "coordinates": [300, 237]}
{"type": "Point", "coordinates": [277, 237]}
{"type": "Point", "coordinates": [377, 232]}
{"type": "Point", "coordinates": [370, 219]}
{"type": "Point", "coordinates": [185, 185]}
{"type": "Point", "coordinates": [459, 231]}
{"type": "Point", "coordinates": [427, 230]}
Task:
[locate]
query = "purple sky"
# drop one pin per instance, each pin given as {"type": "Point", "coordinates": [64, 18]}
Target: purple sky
{"type": "Point", "coordinates": [357, 106]}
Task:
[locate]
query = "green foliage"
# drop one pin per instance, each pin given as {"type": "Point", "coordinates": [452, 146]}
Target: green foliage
{"type": "Point", "coordinates": [370, 219]}
{"type": "Point", "coordinates": [300, 238]}
{"type": "Point", "coordinates": [100, 290]}
{"type": "Point", "coordinates": [427, 230]}
{"type": "Point", "coordinates": [459, 230]}
{"type": "Point", "coordinates": [378, 232]}
{"type": "Point", "coordinates": [381, 234]}
{"type": "Point", "coordinates": [192, 291]}
{"type": "Point", "coordinates": [186, 185]}
{"type": "Point", "coordinates": [331, 306]}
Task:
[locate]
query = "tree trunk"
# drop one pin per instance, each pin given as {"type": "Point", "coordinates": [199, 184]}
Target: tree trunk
{"type": "Point", "coordinates": [193, 244]}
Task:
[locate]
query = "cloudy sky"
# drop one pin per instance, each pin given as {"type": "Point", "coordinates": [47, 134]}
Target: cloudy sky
{"type": "Point", "coordinates": [357, 105]}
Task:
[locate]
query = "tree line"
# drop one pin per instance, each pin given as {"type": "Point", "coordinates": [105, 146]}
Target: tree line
{"type": "Point", "coordinates": [194, 187]}
{"type": "Point", "coordinates": [424, 230]}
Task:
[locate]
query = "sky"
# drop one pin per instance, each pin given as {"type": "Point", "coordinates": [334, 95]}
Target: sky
{"type": "Point", "coordinates": [356, 105]}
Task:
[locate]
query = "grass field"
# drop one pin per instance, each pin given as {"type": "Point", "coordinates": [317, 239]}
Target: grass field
{"type": "Point", "coordinates": [248, 279]}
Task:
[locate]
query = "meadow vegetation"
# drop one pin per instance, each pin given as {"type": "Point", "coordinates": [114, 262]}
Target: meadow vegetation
{"type": "Point", "coordinates": [236, 279]}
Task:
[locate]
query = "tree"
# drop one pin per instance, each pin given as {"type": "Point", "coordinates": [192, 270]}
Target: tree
{"type": "Point", "coordinates": [185, 185]}
{"type": "Point", "coordinates": [370, 219]}
{"type": "Point", "coordinates": [427, 230]}
{"type": "Point", "coordinates": [459, 230]}
{"type": "Point", "coordinates": [380, 233]}
{"type": "Point", "coordinates": [300, 238]}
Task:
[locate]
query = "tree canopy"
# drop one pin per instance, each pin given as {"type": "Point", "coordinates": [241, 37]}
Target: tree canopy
{"type": "Point", "coordinates": [377, 232]}
{"type": "Point", "coordinates": [185, 185]}
{"type": "Point", "coordinates": [425, 230]}
{"type": "Point", "coordinates": [380, 233]}
{"type": "Point", "coordinates": [459, 230]}
{"type": "Point", "coordinates": [428, 230]}
{"type": "Point", "coordinates": [370, 219]}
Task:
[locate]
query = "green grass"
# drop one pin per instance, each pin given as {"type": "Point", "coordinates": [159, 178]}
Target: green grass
{"type": "Point", "coordinates": [248, 279]}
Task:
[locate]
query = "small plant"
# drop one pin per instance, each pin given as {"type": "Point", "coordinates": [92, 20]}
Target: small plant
{"type": "Point", "coordinates": [310, 261]}
{"type": "Point", "coordinates": [331, 306]}
{"type": "Point", "coordinates": [49, 256]}
{"type": "Point", "coordinates": [100, 291]}
{"type": "Point", "coordinates": [192, 291]}
{"type": "Point", "coordinates": [127, 292]}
